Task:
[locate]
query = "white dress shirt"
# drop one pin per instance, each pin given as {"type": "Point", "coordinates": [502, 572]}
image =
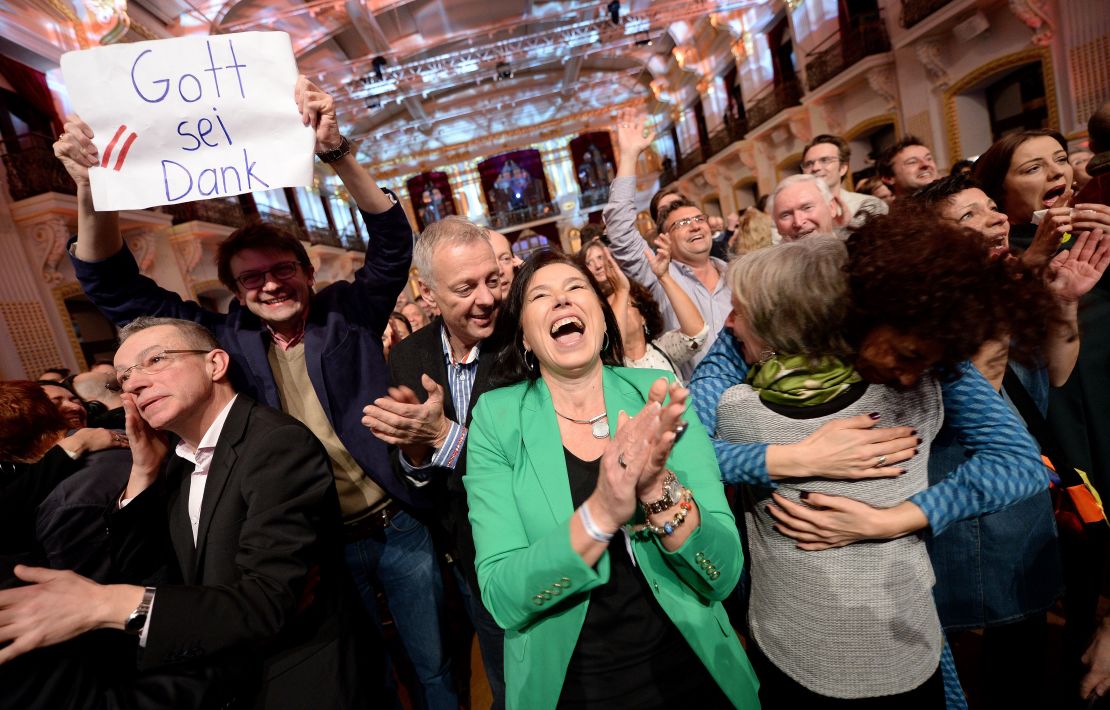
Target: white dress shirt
{"type": "Point", "coordinates": [201, 458]}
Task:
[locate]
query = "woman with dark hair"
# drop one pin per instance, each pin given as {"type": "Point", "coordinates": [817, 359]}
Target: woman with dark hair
{"type": "Point", "coordinates": [1028, 175]}
{"type": "Point", "coordinates": [646, 343]}
{"type": "Point", "coordinates": [592, 551]}
{"type": "Point", "coordinates": [35, 456]}
{"type": "Point", "coordinates": [1001, 572]}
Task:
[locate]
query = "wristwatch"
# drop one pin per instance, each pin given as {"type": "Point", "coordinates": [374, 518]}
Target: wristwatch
{"type": "Point", "coordinates": [672, 491]}
{"type": "Point", "coordinates": [330, 156]}
{"type": "Point", "coordinates": [137, 620]}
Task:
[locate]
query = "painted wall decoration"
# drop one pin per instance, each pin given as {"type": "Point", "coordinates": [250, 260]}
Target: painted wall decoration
{"type": "Point", "coordinates": [594, 166]}
{"type": "Point", "coordinates": [515, 188]}
{"type": "Point", "coordinates": [432, 198]}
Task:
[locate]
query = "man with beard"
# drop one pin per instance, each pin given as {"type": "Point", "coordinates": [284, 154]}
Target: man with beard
{"type": "Point", "coordinates": [448, 365]}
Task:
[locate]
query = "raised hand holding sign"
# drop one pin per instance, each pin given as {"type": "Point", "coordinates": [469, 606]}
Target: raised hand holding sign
{"type": "Point", "coordinates": [190, 118]}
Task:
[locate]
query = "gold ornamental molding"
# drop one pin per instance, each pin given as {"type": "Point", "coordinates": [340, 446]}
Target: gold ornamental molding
{"type": "Point", "coordinates": [865, 127]}
{"type": "Point", "coordinates": [1010, 61]}
{"type": "Point", "coordinates": [60, 293]}
{"type": "Point", "coordinates": [788, 161]}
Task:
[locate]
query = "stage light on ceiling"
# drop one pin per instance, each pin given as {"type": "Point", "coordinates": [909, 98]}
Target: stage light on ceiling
{"type": "Point", "coordinates": [643, 40]}
{"type": "Point", "coordinates": [614, 9]}
{"type": "Point", "coordinates": [504, 70]}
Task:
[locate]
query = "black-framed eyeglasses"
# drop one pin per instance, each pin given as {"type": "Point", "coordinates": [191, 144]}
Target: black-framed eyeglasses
{"type": "Point", "coordinates": [823, 162]}
{"type": "Point", "coordinates": [282, 271]}
{"type": "Point", "coordinates": [155, 363]}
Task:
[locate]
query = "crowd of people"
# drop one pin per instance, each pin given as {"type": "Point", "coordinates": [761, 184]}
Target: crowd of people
{"type": "Point", "coordinates": [787, 458]}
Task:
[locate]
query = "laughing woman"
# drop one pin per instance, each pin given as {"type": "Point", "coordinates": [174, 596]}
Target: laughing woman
{"type": "Point", "coordinates": [605, 558]}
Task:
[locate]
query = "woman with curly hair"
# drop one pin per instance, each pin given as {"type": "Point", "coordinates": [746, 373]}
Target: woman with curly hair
{"type": "Point", "coordinates": [646, 343]}
{"type": "Point", "coordinates": [1001, 572]}
{"type": "Point", "coordinates": [830, 331]}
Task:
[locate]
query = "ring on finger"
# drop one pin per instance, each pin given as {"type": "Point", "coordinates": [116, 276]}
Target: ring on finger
{"type": "Point", "coordinates": [880, 462]}
{"type": "Point", "coordinates": [621, 461]}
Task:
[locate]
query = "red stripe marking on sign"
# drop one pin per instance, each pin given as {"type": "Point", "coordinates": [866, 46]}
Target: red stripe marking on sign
{"type": "Point", "coordinates": [123, 151]}
{"type": "Point", "coordinates": [111, 145]}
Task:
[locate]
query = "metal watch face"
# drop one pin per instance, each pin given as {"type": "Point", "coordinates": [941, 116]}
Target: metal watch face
{"type": "Point", "coordinates": [136, 622]}
{"type": "Point", "coordinates": [672, 490]}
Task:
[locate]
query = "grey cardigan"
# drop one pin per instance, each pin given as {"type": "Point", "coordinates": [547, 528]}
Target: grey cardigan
{"type": "Point", "coordinates": [856, 621]}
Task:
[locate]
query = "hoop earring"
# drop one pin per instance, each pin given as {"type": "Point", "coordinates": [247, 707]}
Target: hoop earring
{"type": "Point", "coordinates": [605, 343]}
{"type": "Point", "coordinates": [531, 367]}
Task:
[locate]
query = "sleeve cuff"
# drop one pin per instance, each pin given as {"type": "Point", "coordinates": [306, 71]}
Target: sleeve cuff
{"type": "Point", "coordinates": [447, 455]}
{"type": "Point", "coordinates": [146, 626]}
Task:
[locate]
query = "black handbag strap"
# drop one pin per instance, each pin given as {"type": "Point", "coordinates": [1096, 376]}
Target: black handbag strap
{"type": "Point", "coordinates": [1038, 427]}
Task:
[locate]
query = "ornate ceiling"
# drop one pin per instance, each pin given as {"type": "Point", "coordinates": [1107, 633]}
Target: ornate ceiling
{"type": "Point", "coordinates": [431, 82]}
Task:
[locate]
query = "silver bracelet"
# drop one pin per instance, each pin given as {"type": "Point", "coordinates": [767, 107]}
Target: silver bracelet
{"type": "Point", "coordinates": [591, 527]}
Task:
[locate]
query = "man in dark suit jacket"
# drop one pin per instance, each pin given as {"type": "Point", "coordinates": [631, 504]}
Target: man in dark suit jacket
{"type": "Point", "coordinates": [236, 540]}
{"type": "Point", "coordinates": [445, 362]}
{"type": "Point", "coordinates": [316, 356]}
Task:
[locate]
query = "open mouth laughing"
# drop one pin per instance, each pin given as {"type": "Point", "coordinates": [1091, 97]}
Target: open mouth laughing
{"type": "Point", "coordinates": [568, 330]}
{"type": "Point", "coordinates": [1054, 193]}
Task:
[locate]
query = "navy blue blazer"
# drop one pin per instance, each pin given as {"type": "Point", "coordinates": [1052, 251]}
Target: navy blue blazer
{"type": "Point", "coordinates": [343, 335]}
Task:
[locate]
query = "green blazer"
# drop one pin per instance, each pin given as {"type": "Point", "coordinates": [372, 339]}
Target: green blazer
{"type": "Point", "coordinates": [537, 587]}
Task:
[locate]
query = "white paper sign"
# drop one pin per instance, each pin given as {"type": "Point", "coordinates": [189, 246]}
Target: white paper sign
{"type": "Point", "coordinates": [190, 118]}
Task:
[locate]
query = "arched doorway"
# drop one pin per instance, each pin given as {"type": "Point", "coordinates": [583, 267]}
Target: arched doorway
{"type": "Point", "coordinates": [1010, 94]}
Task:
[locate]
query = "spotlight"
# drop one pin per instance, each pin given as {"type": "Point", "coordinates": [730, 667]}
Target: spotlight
{"type": "Point", "coordinates": [504, 70]}
{"type": "Point", "coordinates": [378, 63]}
{"type": "Point", "coordinates": [614, 8]}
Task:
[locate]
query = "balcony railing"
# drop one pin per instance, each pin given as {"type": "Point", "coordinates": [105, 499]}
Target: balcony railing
{"type": "Point", "coordinates": [778, 98]}
{"type": "Point", "coordinates": [843, 50]}
{"type": "Point", "coordinates": [352, 239]}
{"type": "Point", "coordinates": [667, 175]}
{"type": "Point", "coordinates": [593, 198]}
{"type": "Point", "coordinates": [529, 213]}
{"type": "Point", "coordinates": [690, 160]}
{"type": "Point", "coordinates": [218, 210]}
{"type": "Point", "coordinates": [732, 130]}
{"type": "Point", "coordinates": [32, 168]}
{"type": "Point", "coordinates": [914, 11]}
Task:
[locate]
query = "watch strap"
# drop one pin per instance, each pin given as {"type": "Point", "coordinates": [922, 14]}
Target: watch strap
{"type": "Point", "coordinates": [137, 619]}
{"type": "Point", "coordinates": [330, 156]}
{"type": "Point", "coordinates": [666, 502]}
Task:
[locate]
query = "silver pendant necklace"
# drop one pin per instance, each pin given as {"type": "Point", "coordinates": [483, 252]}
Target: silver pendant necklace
{"type": "Point", "coordinates": [599, 425]}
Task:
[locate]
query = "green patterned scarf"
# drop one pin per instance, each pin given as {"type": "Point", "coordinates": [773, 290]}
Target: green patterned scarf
{"type": "Point", "coordinates": [796, 381]}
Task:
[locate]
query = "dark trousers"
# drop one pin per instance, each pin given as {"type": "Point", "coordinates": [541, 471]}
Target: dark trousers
{"type": "Point", "coordinates": [778, 690]}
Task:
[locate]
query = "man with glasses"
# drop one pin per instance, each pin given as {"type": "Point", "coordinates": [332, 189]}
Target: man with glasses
{"type": "Point", "coordinates": [231, 575]}
{"type": "Point", "coordinates": [827, 157]}
{"type": "Point", "coordinates": [692, 265]}
{"type": "Point", "coordinates": [316, 356]}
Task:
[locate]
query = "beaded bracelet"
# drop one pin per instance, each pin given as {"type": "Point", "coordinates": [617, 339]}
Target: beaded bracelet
{"type": "Point", "coordinates": [685, 505]}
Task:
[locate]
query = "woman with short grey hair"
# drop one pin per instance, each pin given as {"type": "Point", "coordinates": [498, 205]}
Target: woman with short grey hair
{"type": "Point", "coordinates": [850, 622]}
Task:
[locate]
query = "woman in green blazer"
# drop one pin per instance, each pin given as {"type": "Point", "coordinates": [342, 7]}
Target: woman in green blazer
{"type": "Point", "coordinates": [596, 614]}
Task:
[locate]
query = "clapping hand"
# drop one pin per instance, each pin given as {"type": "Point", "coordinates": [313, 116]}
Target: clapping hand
{"type": "Point", "coordinates": [402, 420]}
{"type": "Point", "coordinates": [633, 461]}
{"type": "Point", "coordinates": [617, 277]}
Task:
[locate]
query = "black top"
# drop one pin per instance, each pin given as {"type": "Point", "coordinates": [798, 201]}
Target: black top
{"type": "Point", "coordinates": [629, 653]}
